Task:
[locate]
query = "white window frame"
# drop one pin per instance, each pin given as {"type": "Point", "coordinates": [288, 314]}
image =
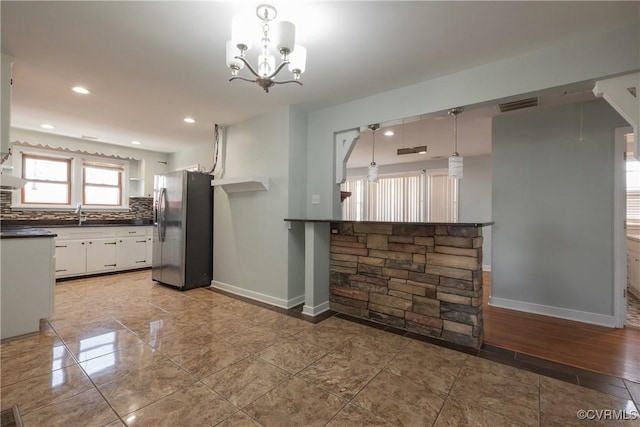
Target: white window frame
{"type": "Point", "coordinates": [363, 206]}
{"type": "Point", "coordinates": [77, 163]}
{"type": "Point", "coordinates": [632, 195]}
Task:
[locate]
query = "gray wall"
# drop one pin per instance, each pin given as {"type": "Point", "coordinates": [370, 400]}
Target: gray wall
{"type": "Point", "coordinates": [255, 253]}
{"type": "Point", "coordinates": [554, 210]}
{"type": "Point", "coordinates": [474, 191]}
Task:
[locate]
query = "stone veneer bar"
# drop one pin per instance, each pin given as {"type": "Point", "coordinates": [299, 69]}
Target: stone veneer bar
{"type": "Point", "coordinates": [421, 277]}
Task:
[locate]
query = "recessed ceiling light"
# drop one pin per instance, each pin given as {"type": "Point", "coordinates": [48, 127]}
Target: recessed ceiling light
{"type": "Point", "coordinates": [389, 133]}
{"type": "Point", "coordinates": [47, 126]}
{"type": "Point", "coordinates": [135, 142]}
{"type": "Point", "coordinates": [189, 120]}
{"type": "Point", "coordinates": [81, 90]}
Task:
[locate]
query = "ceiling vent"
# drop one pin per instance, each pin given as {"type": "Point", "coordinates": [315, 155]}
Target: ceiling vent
{"type": "Point", "coordinates": [518, 105]}
{"type": "Point", "coordinates": [421, 149]}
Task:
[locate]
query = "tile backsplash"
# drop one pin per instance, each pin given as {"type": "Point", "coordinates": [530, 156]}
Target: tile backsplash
{"type": "Point", "coordinates": [139, 208]}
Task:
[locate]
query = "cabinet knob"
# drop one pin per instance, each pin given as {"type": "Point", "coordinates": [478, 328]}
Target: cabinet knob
{"type": "Point", "coordinates": [82, 243]}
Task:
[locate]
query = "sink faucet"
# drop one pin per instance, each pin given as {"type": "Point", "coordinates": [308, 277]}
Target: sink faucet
{"type": "Point", "coordinates": [79, 213]}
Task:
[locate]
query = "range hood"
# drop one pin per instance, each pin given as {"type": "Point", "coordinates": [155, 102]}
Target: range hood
{"type": "Point", "coordinates": [10, 182]}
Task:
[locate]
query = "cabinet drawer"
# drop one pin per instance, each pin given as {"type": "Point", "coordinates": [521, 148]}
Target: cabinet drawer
{"type": "Point", "coordinates": [633, 245]}
{"type": "Point", "coordinates": [131, 231]}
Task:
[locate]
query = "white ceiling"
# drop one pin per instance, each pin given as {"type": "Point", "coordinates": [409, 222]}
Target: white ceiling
{"type": "Point", "coordinates": [149, 64]}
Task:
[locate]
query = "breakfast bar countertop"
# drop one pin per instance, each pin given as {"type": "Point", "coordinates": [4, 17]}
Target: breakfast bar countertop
{"type": "Point", "coordinates": [456, 224]}
{"type": "Point", "coordinates": [74, 223]}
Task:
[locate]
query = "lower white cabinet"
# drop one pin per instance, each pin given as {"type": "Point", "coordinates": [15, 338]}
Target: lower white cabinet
{"type": "Point", "coordinates": [132, 252]}
{"type": "Point", "coordinates": [28, 286]}
{"type": "Point", "coordinates": [149, 249]}
{"type": "Point", "coordinates": [633, 265]}
{"type": "Point", "coordinates": [71, 257]}
{"type": "Point", "coordinates": [101, 255]}
{"type": "Point", "coordinates": [90, 250]}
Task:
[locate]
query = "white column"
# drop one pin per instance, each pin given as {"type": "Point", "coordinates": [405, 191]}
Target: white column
{"type": "Point", "coordinates": [316, 268]}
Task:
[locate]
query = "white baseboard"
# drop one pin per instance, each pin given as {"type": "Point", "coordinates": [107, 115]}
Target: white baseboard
{"type": "Point", "coordinates": [486, 267]}
{"type": "Point", "coordinates": [278, 302]}
{"type": "Point", "coordinates": [314, 311]}
{"type": "Point", "coordinates": [562, 313]}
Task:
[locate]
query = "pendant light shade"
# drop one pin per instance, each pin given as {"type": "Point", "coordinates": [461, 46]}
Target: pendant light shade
{"type": "Point", "coordinates": [455, 166]}
{"type": "Point", "coordinates": [372, 173]}
{"type": "Point", "coordinates": [455, 160]}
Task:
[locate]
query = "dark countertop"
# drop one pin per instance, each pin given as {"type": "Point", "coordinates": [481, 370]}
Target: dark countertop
{"type": "Point", "coordinates": [452, 224]}
{"type": "Point", "coordinates": [19, 232]}
{"type": "Point", "coordinates": [68, 223]}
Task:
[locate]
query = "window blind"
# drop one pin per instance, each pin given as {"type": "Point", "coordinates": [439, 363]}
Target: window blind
{"type": "Point", "coordinates": [633, 192]}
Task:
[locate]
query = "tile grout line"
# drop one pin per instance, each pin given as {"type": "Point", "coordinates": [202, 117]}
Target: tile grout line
{"type": "Point", "coordinates": [86, 374]}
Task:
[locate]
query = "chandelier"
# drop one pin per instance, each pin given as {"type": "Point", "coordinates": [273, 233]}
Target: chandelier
{"type": "Point", "coordinates": [283, 42]}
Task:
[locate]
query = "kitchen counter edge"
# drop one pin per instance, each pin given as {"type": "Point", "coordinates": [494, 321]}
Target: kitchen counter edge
{"type": "Point", "coordinates": [452, 224]}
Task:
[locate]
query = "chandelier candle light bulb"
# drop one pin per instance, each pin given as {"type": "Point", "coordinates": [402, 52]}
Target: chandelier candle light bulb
{"type": "Point", "coordinates": [283, 42]}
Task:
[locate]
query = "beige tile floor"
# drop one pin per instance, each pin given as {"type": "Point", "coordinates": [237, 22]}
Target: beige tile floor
{"type": "Point", "coordinates": [121, 350]}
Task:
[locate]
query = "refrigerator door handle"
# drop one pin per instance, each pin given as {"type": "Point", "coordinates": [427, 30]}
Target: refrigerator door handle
{"type": "Point", "coordinates": [161, 222]}
{"type": "Point", "coordinates": [155, 213]}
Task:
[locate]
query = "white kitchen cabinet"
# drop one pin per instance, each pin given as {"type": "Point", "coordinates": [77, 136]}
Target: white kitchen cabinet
{"type": "Point", "coordinates": [71, 257]}
{"type": "Point", "coordinates": [633, 265]}
{"type": "Point", "coordinates": [131, 252]}
{"type": "Point", "coordinates": [101, 255]}
{"type": "Point", "coordinates": [90, 250]}
{"type": "Point", "coordinates": [149, 250]}
{"type": "Point", "coordinates": [27, 292]}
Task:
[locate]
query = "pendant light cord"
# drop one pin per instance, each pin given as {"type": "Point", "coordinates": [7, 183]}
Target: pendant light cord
{"type": "Point", "coordinates": [373, 152]}
{"type": "Point", "coordinates": [455, 133]}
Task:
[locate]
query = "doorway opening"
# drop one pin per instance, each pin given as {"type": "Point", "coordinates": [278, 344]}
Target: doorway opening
{"type": "Point", "coordinates": [632, 170]}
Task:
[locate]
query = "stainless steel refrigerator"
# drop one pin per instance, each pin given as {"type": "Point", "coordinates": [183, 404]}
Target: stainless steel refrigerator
{"type": "Point", "coordinates": [183, 229]}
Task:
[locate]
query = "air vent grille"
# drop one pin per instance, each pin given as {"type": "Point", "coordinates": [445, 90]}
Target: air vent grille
{"type": "Point", "coordinates": [518, 105]}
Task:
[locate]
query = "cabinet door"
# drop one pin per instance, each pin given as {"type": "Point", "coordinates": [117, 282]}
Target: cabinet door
{"type": "Point", "coordinates": [132, 252]}
{"type": "Point", "coordinates": [71, 257]}
{"type": "Point", "coordinates": [149, 249]}
{"type": "Point", "coordinates": [101, 255]}
{"type": "Point", "coordinates": [634, 271]}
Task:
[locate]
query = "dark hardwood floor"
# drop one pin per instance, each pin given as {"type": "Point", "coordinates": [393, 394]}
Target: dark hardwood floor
{"type": "Point", "coordinates": [605, 350]}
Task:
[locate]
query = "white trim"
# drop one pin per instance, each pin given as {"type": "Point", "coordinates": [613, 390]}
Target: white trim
{"type": "Point", "coordinates": [619, 232]}
{"type": "Point", "coordinates": [486, 267]}
{"type": "Point", "coordinates": [77, 161]}
{"type": "Point", "coordinates": [562, 313]}
{"type": "Point", "coordinates": [268, 299]}
{"type": "Point", "coordinates": [314, 311]}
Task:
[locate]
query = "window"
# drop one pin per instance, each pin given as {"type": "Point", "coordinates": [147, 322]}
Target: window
{"type": "Point", "coordinates": [407, 197]}
{"type": "Point", "coordinates": [101, 184]}
{"type": "Point", "coordinates": [49, 180]}
{"type": "Point", "coordinates": [442, 193]}
{"type": "Point", "coordinates": [59, 180]}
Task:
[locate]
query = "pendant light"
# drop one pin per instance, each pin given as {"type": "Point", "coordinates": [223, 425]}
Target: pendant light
{"type": "Point", "coordinates": [455, 160]}
{"type": "Point", "coordinates": [372, 175]}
